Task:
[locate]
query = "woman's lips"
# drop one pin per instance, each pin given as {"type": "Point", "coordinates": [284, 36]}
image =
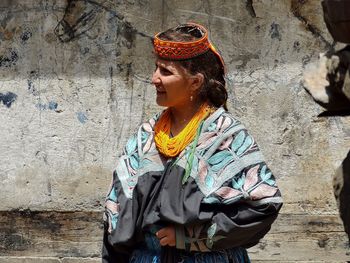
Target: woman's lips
{"type": "Point", "coordinates": [160, 91]}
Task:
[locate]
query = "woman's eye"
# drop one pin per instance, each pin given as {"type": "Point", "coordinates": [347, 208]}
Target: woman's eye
{"type": "Point", "coordinates": [164, 71]}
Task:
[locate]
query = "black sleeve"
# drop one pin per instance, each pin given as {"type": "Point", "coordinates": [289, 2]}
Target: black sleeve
{"type": "Point", "coordinates": [109, 255]}
{"type": "Point", "coordinates": [240, 222]}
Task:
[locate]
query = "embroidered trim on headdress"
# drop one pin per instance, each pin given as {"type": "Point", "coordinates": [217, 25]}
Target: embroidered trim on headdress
{"type": "Point", "coordinates": [174, 50]}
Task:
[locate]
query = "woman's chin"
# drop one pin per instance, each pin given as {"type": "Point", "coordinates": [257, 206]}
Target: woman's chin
{"type": "Point", "coordinates": [161, 102]}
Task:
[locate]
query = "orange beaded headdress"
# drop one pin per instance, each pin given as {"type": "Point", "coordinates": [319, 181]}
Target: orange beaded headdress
{"type": "Point", "coordinates": [174, 50]}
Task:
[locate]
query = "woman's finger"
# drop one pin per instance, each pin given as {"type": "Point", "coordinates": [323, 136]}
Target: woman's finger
{"type": "Point", "coordinates": [172, 243]}
{"type": "Point", "coordinates": [166, 236]}
{"type": "Point", "coordinates": [161, 233]}
{"type": "Point", "coordinates": [164, 241]}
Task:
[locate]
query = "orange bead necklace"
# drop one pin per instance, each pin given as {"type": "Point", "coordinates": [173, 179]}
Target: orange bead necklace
{"type": "Point", "coordinates": [172, 146]}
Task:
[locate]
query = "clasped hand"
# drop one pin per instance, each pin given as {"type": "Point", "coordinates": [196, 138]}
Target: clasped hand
{"type": "Point", "coordinates": [167, 236]}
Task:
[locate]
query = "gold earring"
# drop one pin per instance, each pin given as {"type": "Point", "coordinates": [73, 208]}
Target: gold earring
{"type": "Point", "coordinates": [191, 98]}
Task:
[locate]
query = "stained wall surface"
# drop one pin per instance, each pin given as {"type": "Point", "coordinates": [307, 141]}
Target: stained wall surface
{"type": "Point", "coordinates": [75, 83]}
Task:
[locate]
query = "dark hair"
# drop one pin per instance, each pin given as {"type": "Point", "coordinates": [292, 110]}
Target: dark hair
{"type": "Point", "coordinates": [213, 89]}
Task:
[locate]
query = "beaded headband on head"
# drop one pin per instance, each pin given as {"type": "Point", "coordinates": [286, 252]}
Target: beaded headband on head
{"type": "Point", "coordinates": [176, 50]}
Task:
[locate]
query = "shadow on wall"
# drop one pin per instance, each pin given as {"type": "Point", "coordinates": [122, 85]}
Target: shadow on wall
{"type": "Point", "coordinates": [81, 15]}
{"type": "Point", "coordinates": [94, 33]}
{"type": "Point", "coordinates": [88, 35]}
{"type": "Point", "coordinates": [92, 38]}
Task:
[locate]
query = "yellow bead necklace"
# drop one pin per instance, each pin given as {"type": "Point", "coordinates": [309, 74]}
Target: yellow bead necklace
{"type": "Point", "coordinates": [172, 146]}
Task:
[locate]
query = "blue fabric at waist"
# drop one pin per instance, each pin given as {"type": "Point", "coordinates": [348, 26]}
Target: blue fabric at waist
{"type": "Point", "coordinates": [150, 250]}
{"type": "Point", "coordinates": [237, 255]}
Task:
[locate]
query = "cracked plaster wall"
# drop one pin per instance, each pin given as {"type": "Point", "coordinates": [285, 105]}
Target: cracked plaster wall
{"type": "Point", "coordinates": [69, 99]}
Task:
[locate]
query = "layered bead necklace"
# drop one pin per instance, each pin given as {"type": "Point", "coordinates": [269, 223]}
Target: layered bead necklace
{"type": "Point", "coordinates": [172, 146]}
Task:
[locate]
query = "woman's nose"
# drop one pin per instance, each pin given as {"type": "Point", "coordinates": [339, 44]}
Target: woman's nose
{"type": "Point", "coordinates": [155, 77]}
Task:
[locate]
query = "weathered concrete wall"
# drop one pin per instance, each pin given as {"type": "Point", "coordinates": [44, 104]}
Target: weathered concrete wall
{"type": "Point", "coordinates": [69, 98]}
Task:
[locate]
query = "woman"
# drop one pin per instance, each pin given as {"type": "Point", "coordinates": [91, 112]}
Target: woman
{"type": "Point", "coordinates": [192, 185]}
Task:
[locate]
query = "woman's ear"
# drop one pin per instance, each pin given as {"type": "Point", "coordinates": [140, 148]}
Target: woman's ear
{"type": "Point", "coordinates": [197, 81]}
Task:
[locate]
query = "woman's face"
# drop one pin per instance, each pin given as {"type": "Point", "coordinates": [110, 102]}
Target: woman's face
{"type": "Point", "coordinates": [173, 84]}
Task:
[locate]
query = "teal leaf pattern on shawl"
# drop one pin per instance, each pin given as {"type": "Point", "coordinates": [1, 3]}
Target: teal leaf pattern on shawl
{"type": "Point", "coordinates": [241, 143]}
{"type": "Point", "coordinates": [144, 137]}
{"type": "Point", "coordinates": [240, 185]}
{"type": "Point", "coordinates": [211, 200]}
{"type": "Point", "coordinates": [130, 163]}
{"type": "Point", "coordinates": [254, 184]}
{"type": "Point", "coordinates": [212, 237]}
{"type": "Point", "coordinates": [112, 209]}
{"type": "Point", "coordinates": [246, 145]}
{"type": "Point", "coordinates": [134, 163]}
{"type": "Point", "coordinates": [270, 182]}
{"type": "Point", "coordinates": [212, 127]}
{"type": "Point", "coordinates": [131, 145]}
{"type": "Point", "coordinates": [144, 162]}
{"type": "Point", "coordinates": [211, 232]}
{"type": "Point", "coordinates": [264, 175]}
{"type": "Point", "coordinates": [219, 157]}
{"type": "Point", "coordinates": [238, 141]}
{"type": "Point", "coordinates": [114, 220]}
{"type": "Point", "coordinates": [113, 195]}
{"type": "Point", "coordinates": [209, 181]}
{"type": "Point", "coordinates": [217, 167]}
{"type": "Point", "coordinates": [237, 183]}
